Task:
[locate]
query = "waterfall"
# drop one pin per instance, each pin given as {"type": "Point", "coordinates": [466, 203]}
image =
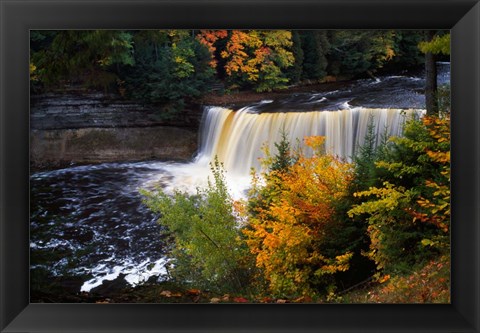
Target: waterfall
{"type": "Point", "coordinates": [237, 137]}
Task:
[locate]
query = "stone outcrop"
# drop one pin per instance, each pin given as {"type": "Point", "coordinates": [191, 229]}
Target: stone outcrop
{"type": "Point", "coordinates": [81, 109]}
{"type": "Point", "coordinates": [79, 128]}
{"type": "Point", "coordinates": [57, 148]}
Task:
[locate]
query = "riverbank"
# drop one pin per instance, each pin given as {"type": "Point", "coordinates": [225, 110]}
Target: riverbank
{"type": "Point", "coordinates": [78, 127]}
{"type": "Point", "coordinates": [427, 284]}
{"type": "Point", "coordinates": [240, 98]}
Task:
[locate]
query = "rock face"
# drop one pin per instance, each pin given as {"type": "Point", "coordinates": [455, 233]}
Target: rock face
{"type": "Point", "coordinates": [98, 145]}
{"type": "Point", "coordinates": [78, 127]}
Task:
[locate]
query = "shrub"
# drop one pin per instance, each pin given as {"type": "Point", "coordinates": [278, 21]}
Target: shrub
{"type": "Point", "coordinates": [207, 248]}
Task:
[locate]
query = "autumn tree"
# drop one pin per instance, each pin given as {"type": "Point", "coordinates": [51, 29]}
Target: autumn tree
{"type": "Point", "coordinates": [408, 214]}
{"type": "Point", "coordinates": [434, 204]}
{"type": "Point", "coordinates": [290, 232]}
{"type": "Point", "coordinates": [256, 58]}
{"type": "Point", "coordinates": [209, 39]}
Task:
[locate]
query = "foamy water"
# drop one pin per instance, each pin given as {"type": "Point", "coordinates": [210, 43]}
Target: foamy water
{"type": "Point", "coordinates": [90, 221]}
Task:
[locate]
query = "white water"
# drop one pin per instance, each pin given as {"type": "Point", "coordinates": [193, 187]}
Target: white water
{"type": "Point", "coordinates": [237, 138]}
{"type": "Point", "coordinates": [135, 274]}
{"type": "Point", "coordinates": [94, 214]}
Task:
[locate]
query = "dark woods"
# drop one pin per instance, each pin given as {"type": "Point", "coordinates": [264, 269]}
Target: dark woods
{"type": "Point", "coordinates": [171, 67]}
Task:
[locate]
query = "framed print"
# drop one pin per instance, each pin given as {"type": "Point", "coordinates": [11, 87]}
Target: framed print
{"type": "Point", "coordinates": [318, 143]}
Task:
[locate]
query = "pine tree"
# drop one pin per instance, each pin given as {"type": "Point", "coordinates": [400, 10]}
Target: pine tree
{"type": "Point", "coordinates": [294, 73]}
{"type": "Point", "coordinates": [283, 158]}
{"type": "Point", "coordinates": [315, 47]}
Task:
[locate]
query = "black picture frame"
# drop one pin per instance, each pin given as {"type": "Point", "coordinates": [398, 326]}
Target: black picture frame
{"type": "Point", "coordinates": [17, 17]}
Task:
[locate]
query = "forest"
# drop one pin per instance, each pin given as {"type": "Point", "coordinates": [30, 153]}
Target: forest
{"type": "Point", "coordinates": [313, 227]}
{"type": "Point", "coordinates": [172, 67]}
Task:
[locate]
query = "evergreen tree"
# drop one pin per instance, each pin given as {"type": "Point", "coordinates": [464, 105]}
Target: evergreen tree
{"type": "Point", "coordinates": [315, 47]}
{"type": "Point", "coordinates": [405, 46]}
{"type": "Point", "coordinates": [283, 158]}
{"type": "Point", "coordinates": [355, 52]}
{"type": "Point", "coordinates": [364, 160]}
{"type": "Point", "coordinates": [171, 67]}
{"type": "Point", "coordinates": [87, 58]}
{"type": "Point", "coordinates": [294, 73]}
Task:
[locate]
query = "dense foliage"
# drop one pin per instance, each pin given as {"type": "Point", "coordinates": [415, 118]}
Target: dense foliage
{"type": "Point", "coordinates": [292, 222]}
{"type": "Point", "coordinates": [313, 225]}
{"type": "Point", "coordinates": [89, 58]}
{"type": "Point", "coordinates": [171, 66]}
{"type": "Point", "coordinates": [408, 214]}
{"type": "Point", "coordinates": [308, 221]}
{"type": "Point", "coordinates": [207, 247]}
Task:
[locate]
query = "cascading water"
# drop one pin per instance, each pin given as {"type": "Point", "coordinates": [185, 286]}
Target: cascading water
{"type": "Point", "coordinates": [89, 221]}
{"type": "Point", "coordinates": [237, 138]}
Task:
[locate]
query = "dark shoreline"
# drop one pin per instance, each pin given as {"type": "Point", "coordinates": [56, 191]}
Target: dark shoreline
{"type": "Point", "coordinates": [241, 98]}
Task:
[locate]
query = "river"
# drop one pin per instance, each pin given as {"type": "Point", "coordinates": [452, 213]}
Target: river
{"type": "Point", "coordinates": [89, 221]}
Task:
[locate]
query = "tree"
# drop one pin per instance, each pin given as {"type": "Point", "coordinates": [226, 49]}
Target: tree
{"type": "Point", "coordinates": [171, 68]}
{"type": "Point", "coordinates": [316, 47]}
{"type": "Point", "coordinates": [290, 232]}
{"type": "Point", "coordinates": [256, 58]}
{"type": "Point", "coordinates": [408, 214]}
{"type": "Point", "coordinates": [433, 45]}
{"type": "Point", "coordinates": [294, 72]}
{"type": "Point", "coordinates": [209, 38]}
{"type": "Point", "coordinates": [88, 58]}
{"type": "Point", "coordinates": [355, 52]}
{"type": "Point", "coordinates": [407, 53]}
{"type": "Point", "coordinates": [430, 79]}
{"type": "Point", "coordinates": [364, 160]}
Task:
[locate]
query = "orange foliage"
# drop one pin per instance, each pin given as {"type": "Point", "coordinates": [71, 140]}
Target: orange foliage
{"type": "Point", "coordinates": [252, 52]}
{"type": "Point", "coordinates": [208, 38]}
{"type": "Point", "coordinates": [436, 208]}
{"type": "Point", "coordinates": [287, 233]}
{"type": "Point", "coordinates": [236, 51]}
{"type": "Point", "coordinates": [431, 284]}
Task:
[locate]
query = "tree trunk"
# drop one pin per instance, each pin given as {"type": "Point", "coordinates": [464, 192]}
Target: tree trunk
{"type": "Point", "coordinates": [431, 80]}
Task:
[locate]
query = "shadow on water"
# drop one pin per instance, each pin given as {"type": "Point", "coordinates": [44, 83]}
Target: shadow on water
{"type": "Point", "coordinates": [88, 224]}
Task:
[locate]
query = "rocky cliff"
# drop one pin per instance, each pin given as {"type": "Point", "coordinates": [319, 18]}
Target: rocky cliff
{"type": "Point", "coordinates": [78, 127]}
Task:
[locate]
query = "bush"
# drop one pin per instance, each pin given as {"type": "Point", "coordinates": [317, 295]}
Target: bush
{"type": "Point", "coordinates": [428, 284]}
{"type": "Point", "coordinates": [207, 248]}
